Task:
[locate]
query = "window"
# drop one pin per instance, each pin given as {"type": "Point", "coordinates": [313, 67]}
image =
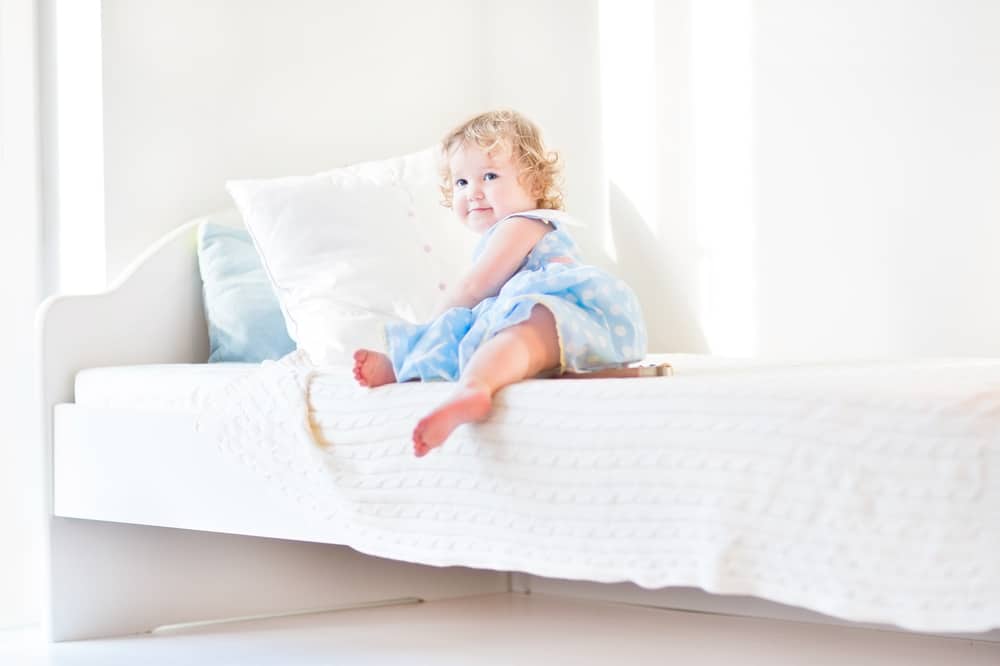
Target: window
{"type": "Point", "coordinates": [21, 280]}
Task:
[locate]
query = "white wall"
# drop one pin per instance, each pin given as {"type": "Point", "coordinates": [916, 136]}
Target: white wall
{"type": "Point", "coordinates": [855, 150]}
{"type": "Point", "coordinates": [877, 162]}
{"type": "Point", "coordinates": [21, 278]}
{"type": "Point", "coordinates": [196, 93]}
{"type": "Point", "coordinates": [547, 68]}
{"type": "Point", "coordinates": [875, 157]}
{"type": "Point", "coordinates": [200, 91]}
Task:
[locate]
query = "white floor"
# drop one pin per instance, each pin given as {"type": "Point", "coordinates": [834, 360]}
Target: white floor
{"type": "Point", "coordinates": [507, 629]}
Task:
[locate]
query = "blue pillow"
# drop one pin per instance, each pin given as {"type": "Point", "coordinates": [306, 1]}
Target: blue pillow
{"type": "Point", "coordinates": [242, 311]}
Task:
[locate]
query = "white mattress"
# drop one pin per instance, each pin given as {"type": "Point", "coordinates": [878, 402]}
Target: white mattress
{"type": "Point", "coordinates": [864, 491]}
{"type": "Point", "coordinates": [167, 387]}
{"type": "Point", "coordinates": [188, 386]}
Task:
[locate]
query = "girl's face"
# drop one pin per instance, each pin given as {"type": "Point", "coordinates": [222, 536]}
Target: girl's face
{"type": "Point", "coordinates": [487, 187]}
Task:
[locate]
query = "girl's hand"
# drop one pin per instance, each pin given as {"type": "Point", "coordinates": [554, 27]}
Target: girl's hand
{"type": "Point", "coordinates": [501, 258]}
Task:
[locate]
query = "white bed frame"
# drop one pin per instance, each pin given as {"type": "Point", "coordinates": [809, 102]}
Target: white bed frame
{"type": "Point", "coordinates": [129, 546]}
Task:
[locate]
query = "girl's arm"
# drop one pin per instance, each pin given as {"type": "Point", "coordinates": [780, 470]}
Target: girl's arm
{"type": "Point", "coordinates": [501, 258]}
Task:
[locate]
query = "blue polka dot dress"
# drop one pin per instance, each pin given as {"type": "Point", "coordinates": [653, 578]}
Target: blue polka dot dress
{"type": "Point", "coordinates": [597, 316]}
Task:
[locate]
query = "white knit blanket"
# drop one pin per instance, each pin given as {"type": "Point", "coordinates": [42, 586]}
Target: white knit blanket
{"type": "Point", "coordinates": [869, 492]}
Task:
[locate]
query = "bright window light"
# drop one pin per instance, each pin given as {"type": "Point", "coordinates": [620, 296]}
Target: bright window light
{"type": "Point", "coordinates": [80, 141]}
{"type": "Point", "coordinates": [628, 103]}
{"type": "Point", "coordinates": [722, 80]}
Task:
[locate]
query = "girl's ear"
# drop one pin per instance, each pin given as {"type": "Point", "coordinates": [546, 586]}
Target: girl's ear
{"type": "Point", "coordinates": [536, 188]}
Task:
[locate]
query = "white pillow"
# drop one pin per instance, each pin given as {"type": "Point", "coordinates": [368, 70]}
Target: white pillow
{"type": "Point", "coordinates": [350, 249]}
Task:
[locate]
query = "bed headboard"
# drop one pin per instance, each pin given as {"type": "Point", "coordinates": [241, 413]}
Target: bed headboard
{"type": "Point", "coordinates": [151, 314]}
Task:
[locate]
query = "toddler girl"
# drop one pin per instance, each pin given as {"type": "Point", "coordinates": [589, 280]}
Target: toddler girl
{"type": "Point", "coordinates": [527, 305]}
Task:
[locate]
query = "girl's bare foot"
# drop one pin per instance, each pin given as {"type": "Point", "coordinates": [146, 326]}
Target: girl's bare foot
{"type": "Point", "coordinates": [468, 404]}
{"type": "Point", "coordinates": [372, 368]}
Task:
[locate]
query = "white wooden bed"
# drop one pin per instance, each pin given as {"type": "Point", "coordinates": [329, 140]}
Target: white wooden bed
{"type": "Point", "coordinates": [131, 541]}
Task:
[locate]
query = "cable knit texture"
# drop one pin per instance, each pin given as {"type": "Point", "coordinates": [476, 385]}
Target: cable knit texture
{"type": "Point", "coordinates": [865, 491]}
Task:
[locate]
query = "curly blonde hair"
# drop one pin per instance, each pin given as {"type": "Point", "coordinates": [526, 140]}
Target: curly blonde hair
{"type": "Point", "coordinates": [508, 130]}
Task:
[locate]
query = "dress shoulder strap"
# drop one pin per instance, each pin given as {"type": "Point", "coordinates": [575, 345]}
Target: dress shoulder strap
{"type": "Point", "coordinates": [555, 218]}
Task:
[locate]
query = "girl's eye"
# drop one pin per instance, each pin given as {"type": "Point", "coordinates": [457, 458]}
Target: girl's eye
{"type": "Point", "coordinates": [461, 182]}
{"type": "Point", "coordinates": [489, 175]}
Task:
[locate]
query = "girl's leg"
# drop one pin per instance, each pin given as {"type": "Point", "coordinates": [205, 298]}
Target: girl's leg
{"type": "Point", "coordinates": [514, 354]}
{"type": "Point", "coordinates": [372, 368]}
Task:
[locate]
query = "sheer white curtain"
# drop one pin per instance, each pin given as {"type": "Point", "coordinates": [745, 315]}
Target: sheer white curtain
{"type": "Point", "coordinates": [20, 292]}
